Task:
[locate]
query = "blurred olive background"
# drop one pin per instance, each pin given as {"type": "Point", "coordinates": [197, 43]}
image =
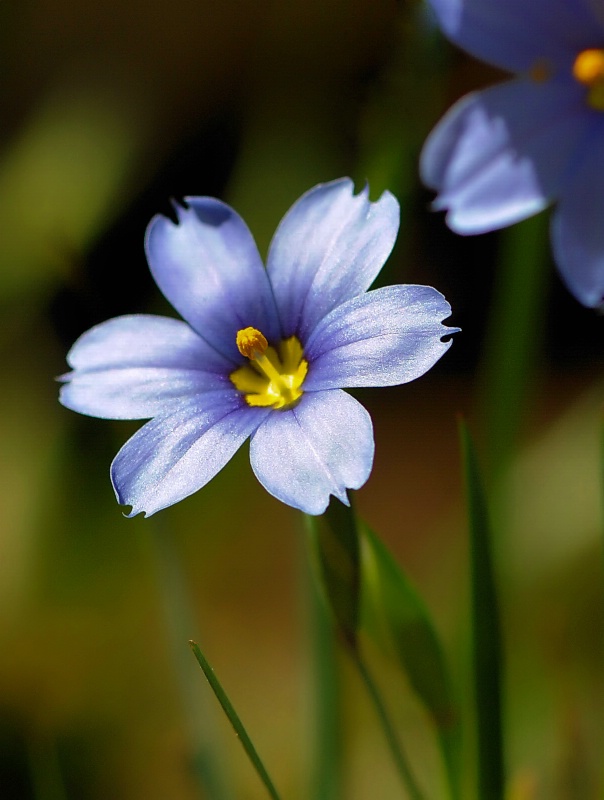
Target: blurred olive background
{"type": "Point", "coordinates": [107, 112]}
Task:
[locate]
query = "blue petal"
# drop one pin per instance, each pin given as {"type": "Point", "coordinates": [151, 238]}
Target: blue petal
{"type": "Point", "coordinates": [209, 268]}
{"type": "Point", "coordinates": [578, 225]}
{"type": "Point", "coordinates": [174, 455]}
{"type": "Point", "coordinates": [328, 248]}
{"type": "Point", "coordinates": [138, 366]}
{"type": "Point", "coordinates": [322, 446]}
{"type": "Point", "coordinates": [515, 34]}
{"type": "Point", "coordinates": [501, 155]}
{"type": "Point", "coordinates": [136, 393]}
{"type": "Point", "coordinates": [382, 338]}
{"type": "Point", "coordinates": [144, 340]}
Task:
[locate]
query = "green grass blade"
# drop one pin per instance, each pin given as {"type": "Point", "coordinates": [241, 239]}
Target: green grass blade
{"type": "Point", "coordinates": [335, 550]}
{"type": "Point", "coordinates": [602, 472]}
{"type": "Point", "coordinates": [325, 779]}
{"type": "Point", "coordinates": [486, 637]}
{"type": "Point", "coordinates": [398, 620]}
{"type": "Point", "coordinates": [233, 718]}
{"type": "Point", "coordinates": [514, 335]}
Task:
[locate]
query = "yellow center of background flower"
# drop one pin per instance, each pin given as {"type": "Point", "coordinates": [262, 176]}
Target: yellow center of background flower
{"type": "Point", "coordinates": [274, 376]}
{"type": "Point", "coordinates": [588, 69]}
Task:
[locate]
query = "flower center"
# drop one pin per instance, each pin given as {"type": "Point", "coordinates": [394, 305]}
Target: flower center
{"type": "Point", "coordinates": [274, 376]}
{"type": "Point", "coordinates": [588, 69]}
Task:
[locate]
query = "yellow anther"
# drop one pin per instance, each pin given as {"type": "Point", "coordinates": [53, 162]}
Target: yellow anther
{"type": "Point", "coordinates": [588, 69]}
{"type": "Point", "coordinates": [251, 343]}
{"type": "Point", "coordinates": [273, 377]}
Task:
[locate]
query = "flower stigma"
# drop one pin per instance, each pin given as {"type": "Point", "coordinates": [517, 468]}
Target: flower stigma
{"type": "Point", "coordinates": [273, 376]}
{"type": "Point", "coordinates": [588, 69]}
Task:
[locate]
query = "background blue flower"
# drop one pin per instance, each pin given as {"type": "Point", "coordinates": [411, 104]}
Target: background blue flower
{"type": "Point", "coordinates": [503, 154]}
{"type": "Point", "coordinates": [191, 376]}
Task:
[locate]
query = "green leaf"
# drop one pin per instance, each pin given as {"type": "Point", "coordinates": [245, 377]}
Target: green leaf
{"type": "Point", "coordinates": [398, 620]}
{"type": "Point", "coordinates": [336, 555]}
{"type": "Point", "coordinates": [486, 636]}
{"type": "Point", "coordinates": [336, 547]}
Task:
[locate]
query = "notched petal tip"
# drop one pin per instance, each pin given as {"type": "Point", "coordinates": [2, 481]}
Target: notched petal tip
{"type": "Point", "coordinates": [363, 193]}
{"type": "Point", "coordinates": [177, 214]}
{"type": "Point", "coordinates": [133, 513]}
{"type": "Point", "coordinates": [136, 511]}
{"type": "Point", "coordinates": [446, 336]}
{"type": "Point", "coordinates": [342, 497]}
{"type": "Point", "coordinates": [208, 210]}
{"type": "Point", "coordinates": [177, 206]}
{"type": "Point", "coordinates": [452, 330]}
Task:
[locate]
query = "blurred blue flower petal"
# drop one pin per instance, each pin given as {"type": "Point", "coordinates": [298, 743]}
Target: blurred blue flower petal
{"type": "Point", "coordinates": [261, 354]}
{"type": "Point", "coordinates": [514, 34]}
{"type": "Point", "coordinates": [503, 154]}
{"type": "Point", "coordinates": [578, 226]}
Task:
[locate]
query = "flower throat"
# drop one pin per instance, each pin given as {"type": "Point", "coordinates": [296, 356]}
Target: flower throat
{"type": "Point", "coordinates": [274, 376]}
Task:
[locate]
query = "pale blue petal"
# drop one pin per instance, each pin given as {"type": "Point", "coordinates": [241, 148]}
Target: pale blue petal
{"type": "Point", "coordinates": [515, 34]}
{"type": "Point", "coordinates": [578, 225]}
{"type": "Point", "coordinates": [328, 248]}
{"type": "Point", "coordinates": [209, 268]}
{"type": "Point", "coordinates": [173, 456]}
{"type": "Point", "coordinates": [136, 392]}
{"type": "Point", "coordinates": [321, 447]}
{"type": "Point", "coordinates": [138, 366]}
{"type": "Point", "coordinates": [503, 154]}
{"type": "Point", "coordinates": [144, 340]}
{"type": "Point", "coordinates": [382, 338]}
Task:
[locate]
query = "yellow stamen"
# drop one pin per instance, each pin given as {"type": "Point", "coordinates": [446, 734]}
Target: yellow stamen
{"type": "Point", "coordinates": [589, 66]}
{"type": "Point", "coordinates": [272, 378]}
{"type": "Point", "coordinates": [588, 69]}
{"type": "Point", "coordinates": [251, 343]}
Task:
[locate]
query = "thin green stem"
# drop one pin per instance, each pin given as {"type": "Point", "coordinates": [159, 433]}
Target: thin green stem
{"type": "Point", "coordinates": [602, 486]}
{"type": "Point", "coordinates": [326, 774]}
{"type": "Point", "coordinates": [233, 717]}
{"type": "Point", "coordinates": [487, 649]}
{"type": "Point", "coordinates": [396, 748]}
{"type": "Point", "coordinates": [513, 338]}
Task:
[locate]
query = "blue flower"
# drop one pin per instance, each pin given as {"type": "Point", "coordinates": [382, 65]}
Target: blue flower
{"type": "Point", "coordinates": [503, 154]}
{"type": "Point", "coordinates": [264, 353]}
